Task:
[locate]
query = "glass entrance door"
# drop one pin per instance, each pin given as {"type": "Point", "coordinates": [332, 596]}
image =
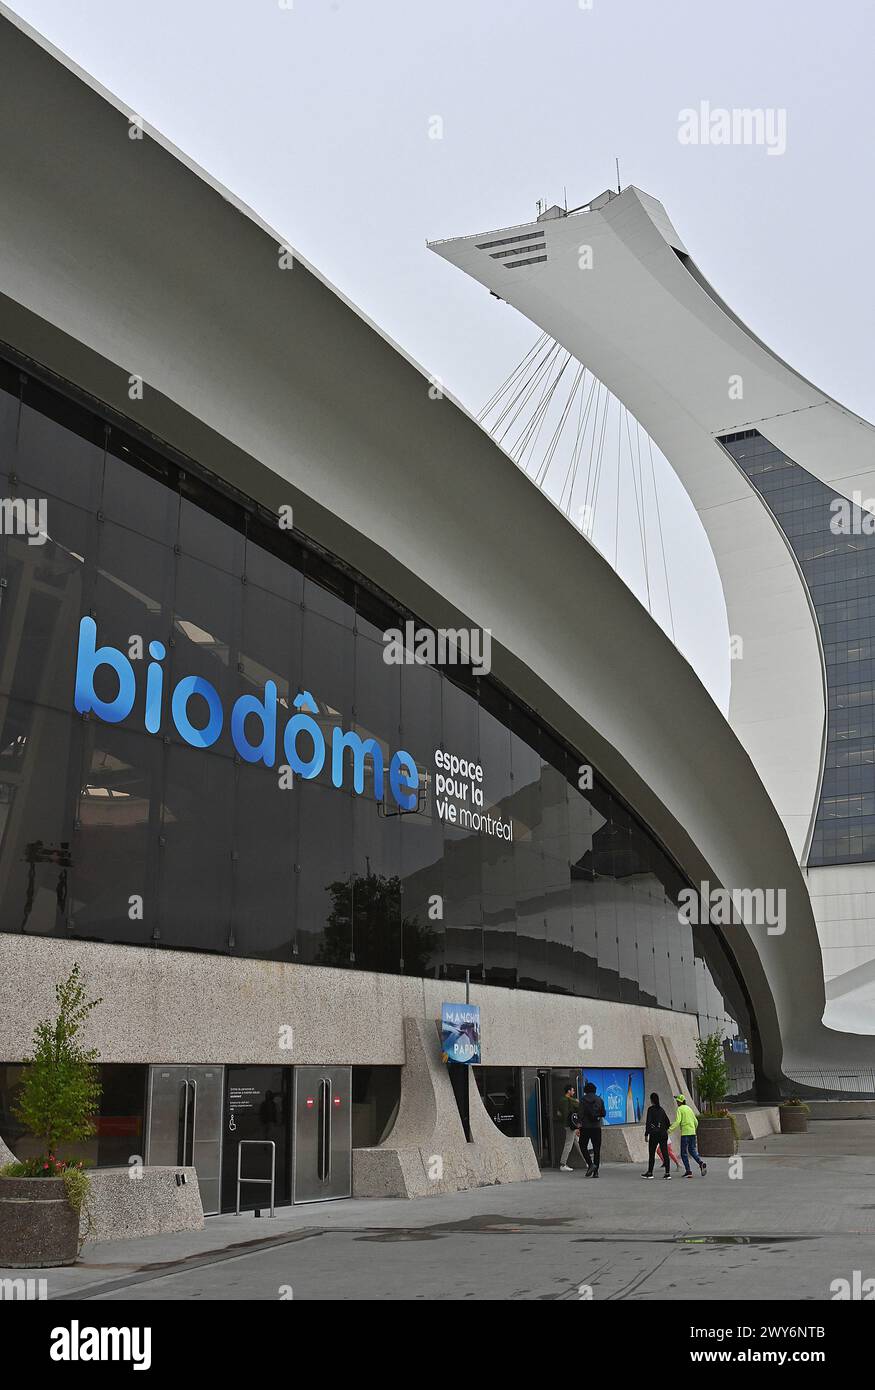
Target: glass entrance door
{"type": "Point", "coordinates": [537, 1110]}
{"type": "Point", "coordinates": [184, 1126]}
{"type": "Point", "coordinates": [322, 1140]}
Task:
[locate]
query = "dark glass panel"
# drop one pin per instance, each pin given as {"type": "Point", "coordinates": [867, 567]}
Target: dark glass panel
{"type": "Point", "coordinates": [141, 498]}
{"type": "Point", "coordinates": [54, 463]}
{"type": "Point", "coordinates": [114, 849]}
{"type": "Point", "coordinates": [39, 761]}
{"type": "Point", "coordinates": [265, 836]}
{"type": "Point", "coordinates": [376, 1094]}
{"type": "Point", "coordinates": [194, 860]}
{"type": "Point", "coordinates": [325, 881]}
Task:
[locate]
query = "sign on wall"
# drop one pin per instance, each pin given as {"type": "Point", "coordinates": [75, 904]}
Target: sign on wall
{"type": "Point", "coordinates": [621, 1089]}
{"type": "Point", "coordinates": [460, 1032]}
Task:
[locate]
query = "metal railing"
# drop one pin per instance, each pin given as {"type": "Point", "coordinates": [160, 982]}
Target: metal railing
{"type": "Point", "coordinates": [271, 1181]}
{"type": "Point", "coordinates": [839, 1081]}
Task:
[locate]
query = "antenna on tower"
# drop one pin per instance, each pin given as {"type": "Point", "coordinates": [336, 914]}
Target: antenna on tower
{"type": "Point", "coordinates": [617, 162]}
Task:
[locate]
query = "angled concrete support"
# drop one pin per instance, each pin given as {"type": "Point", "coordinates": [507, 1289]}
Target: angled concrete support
{"type": "Point", "coordinates": [757, 1121]}
{"type": "Point", "coordinates": [427, 1153]}
{"type": "Point", "coordinates": [662, 1070]}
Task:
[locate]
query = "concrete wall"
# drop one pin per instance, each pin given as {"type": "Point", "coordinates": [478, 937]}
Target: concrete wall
{"type": "Point", "coordinates": [122, 1207]}
{"type": "Point", "coordinates": [166, 1006]}
{"type": "Point", "coordinates": [843, 898]}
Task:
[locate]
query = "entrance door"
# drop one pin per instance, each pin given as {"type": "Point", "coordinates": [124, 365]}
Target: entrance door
{"type": "Point", "coordinates": [185, 1125]}
{"type": "Point", "coordinates": [537, 1110]}
{"type": "Point", "coordinates": [560, 1078]}
{"type": "Point", "coordinates": [322, 1141]}
{"type": "Point", "coordinates": [258, 1105]}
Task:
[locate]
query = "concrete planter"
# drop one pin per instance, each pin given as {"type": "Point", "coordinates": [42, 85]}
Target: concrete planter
{"type": "Point", "coordinates": [714, 1137]}
{"type": "Point", "coordinates": [794, 1120]}
{"type": "Point", "coordinates": [38, 1227]}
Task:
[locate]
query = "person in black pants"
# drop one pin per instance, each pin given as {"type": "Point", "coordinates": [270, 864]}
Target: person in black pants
{"type": "Point", "coordinates": [656, 1124]}
{"type": "Point", "coordinates": [591, 1111]}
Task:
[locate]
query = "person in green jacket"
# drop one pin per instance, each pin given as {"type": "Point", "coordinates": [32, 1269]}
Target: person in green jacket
{"type": "Point", "coordinates": [685, 1120]}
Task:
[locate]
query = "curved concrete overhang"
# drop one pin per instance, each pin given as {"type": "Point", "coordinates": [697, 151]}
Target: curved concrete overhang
{"type": "Point", "coordinates": [618, 289]}
{"type": "Point", "coordinates": [271, 380]}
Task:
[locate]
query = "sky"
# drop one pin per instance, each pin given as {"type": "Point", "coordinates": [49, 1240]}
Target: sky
{"type": "Point", "coordinates": [320, 115]}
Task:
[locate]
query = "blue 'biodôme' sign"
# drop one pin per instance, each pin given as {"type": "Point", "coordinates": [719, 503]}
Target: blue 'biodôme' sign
{"type": "Point", "coordinates": [403, 772]}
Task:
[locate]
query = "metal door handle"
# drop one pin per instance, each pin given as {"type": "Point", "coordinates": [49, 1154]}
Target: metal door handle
{"type": "Point", "coordinates": [184, 1099]}
{"type": "Point", "coordinates": [193, 1085]}
{"type": "Point", "coordinates": [540, 1114]}
{"type": "Point", "coordinates": [328, 1124]}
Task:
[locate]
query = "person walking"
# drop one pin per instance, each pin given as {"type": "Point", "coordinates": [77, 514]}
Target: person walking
{"type": "Point", "coordinates": [591, 1111]}
{"type": "Point", "coordinates": [568, 1109]}
{"type": "Point", "coordinates": [656, 1134]}
{"type": "Point", "coordinates": [686, 1121]}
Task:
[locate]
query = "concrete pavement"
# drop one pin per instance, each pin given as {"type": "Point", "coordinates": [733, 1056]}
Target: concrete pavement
{"type": "Point", "coordinates": [798, 1213]}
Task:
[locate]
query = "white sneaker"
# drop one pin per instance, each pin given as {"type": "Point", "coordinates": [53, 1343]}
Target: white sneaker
{"type": "Point", "coordinates": [565, 1168]}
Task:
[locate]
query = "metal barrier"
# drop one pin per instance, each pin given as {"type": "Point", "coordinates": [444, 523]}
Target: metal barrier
{"type": "Point", "coordinates": [269, 1181]}
{"type": "Point", "coordinates": [837, 1081]}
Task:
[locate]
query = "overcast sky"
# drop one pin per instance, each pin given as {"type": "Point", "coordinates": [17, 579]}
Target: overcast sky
{"type": "Point", "coordinates": [316, 113]}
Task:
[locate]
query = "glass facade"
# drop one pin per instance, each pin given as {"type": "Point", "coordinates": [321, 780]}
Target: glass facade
{"type": "Point", "coordinates": [839, 569]}
{"type": "Point", "coordinates": [119, 1126]}
{"type": "Point", "coordinates": [113, 833]}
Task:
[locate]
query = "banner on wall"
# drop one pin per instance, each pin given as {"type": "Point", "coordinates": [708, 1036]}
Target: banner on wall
{"type": "Point", "coordinates": [460, 1032]}
{"type": "Point", "coordinates": [621, 1089]}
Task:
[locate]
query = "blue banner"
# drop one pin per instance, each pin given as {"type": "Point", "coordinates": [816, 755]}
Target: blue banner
{"type": "Point", "coordinates": [621, 1089]}
{"type": "Point", "coordinates": [460, 1032]}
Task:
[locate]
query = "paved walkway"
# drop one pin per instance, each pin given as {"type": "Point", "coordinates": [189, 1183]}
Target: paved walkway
{"type": "Point", "coordinates": [801, 1214]}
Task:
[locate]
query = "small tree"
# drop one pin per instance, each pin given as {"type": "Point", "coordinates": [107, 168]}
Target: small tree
{"type": "Point", "coordinates": [713, 1074]}
{"type": "Point", "coordinates": [60, 1091]}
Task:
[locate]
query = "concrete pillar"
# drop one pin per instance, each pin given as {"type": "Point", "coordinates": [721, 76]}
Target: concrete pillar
{"type": "Point", "coordinates": [426, 1153]}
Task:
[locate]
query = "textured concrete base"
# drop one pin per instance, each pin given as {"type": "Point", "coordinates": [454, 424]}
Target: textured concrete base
{"type": "Point", "coordinates": [624, 1144]}
{"type": "Point", "coordinates": [426, 1153]}
{"type": "Point", "coordinates": [757, 1122]}
{"type": "Point", "coordinates": [6, 1154]}
{"type": "Point", "coordinates": [841, 1109]}
{"type": "Point", "coordinates": [123, 1207]}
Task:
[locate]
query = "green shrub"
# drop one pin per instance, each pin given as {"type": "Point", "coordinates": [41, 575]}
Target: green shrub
{"type": "Point", "coordinates": [712, 1073]}
{"type": "Point", "coordinates": [60, 1090]}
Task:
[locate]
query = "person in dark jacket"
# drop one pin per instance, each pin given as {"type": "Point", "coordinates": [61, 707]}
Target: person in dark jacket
{"type": "Point", "coordinates": [656, 1124]}
{"type": "Point", "coordinates": [591, 1112]}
